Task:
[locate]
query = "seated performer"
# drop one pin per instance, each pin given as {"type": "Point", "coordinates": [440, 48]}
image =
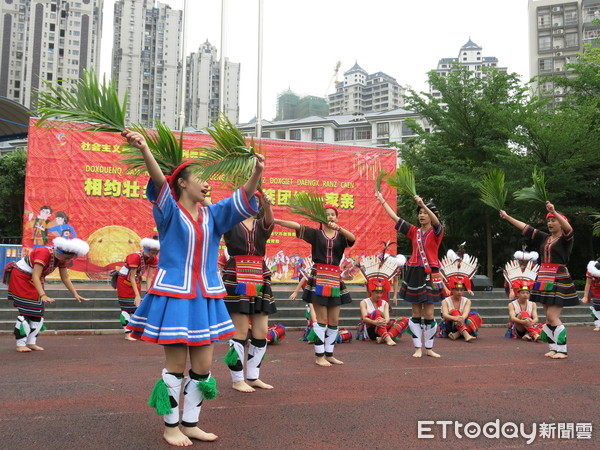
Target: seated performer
{"type": "Point", "coordinates": [129, 280]}
{"type": "Point", "coordinates": [457, 318]}
{"type": "Point", "coordinates": [375, 309]}
{"type": "Point", "coordinates": [523, 312]}
{"type": "Point", "coordinates": [592, 291]}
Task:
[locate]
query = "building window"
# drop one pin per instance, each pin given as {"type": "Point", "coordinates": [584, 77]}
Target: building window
{"type": "Point", "coordinates": [383, 129]}
{"type": "Point", "coordinates": [406, 130]}
{"type": "Point", "coordinates": [317, 134]}
{"type": "Point", "coordinates": [545, 65]}
{"type": "Point", "coordinates": [345, 134]}
{"type": "Point", "coordinates": [295, 135]}
{"type": "Point", "coordinates": [363, 133]}
{"type": "Point", "coordinates": [572, 40]}
{"type": "Point", "coordinates": [544, 43]}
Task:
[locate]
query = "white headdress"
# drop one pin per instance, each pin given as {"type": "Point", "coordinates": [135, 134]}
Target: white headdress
{"type": "Point", "coordinates": [593, 268]}
{"type": "Point", "coordinates": [150, 244]}
{"type": "Point", "coordinates": [453, 265]}
{"type": "Point", "coordinates": [519, 277]}
{"type": "Point", "coordinates": [526, 256]}
{"type": "Point", "coordinates": [76, 246]}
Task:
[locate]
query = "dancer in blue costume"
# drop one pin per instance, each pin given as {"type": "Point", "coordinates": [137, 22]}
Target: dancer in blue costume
{"type": "Point", "coordinates": [184, 310]}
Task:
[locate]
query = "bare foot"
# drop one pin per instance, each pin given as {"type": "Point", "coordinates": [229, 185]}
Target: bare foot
{"type": "Point", "coordinates": [526, 337]}
{"type": "Point", "coordinates": [378, 339]}
{"type": "Point", "coordinates": [536, 338]}
{"type": "Point", "coordinates": [559, 356]}
{"type": "Point", "coordinates": [597, 329]}
{"type": "Point", "coordinates": [35, 347]}
{"type": "Point", "coordinates": [197, 433]}
{"type": "Point", "coordinates": [431, 353]}
{"type": "Point", "coordinates": [418, 353]}
{"type": "Point", "coordinates": [129, 338]}
{"type": "Point", "coordinates": [469, 338]}
{"type": "Point", "coordinates": [453, 336]}
{"type": "Point", "coordinates": [333, 360]}
{"type": "Point", "coordinates": [259, 384]}
{"type": "Point", "coordinates": [175, 437]}
{"type": "Point", "coordinates": [551, 353]}
{"type": "Point", "coordinates": [23, 349]}
{"type": "Point", "coordinates": [321, 361]}
{"type": "Point", "coordinates": [242, 386]}
{"type": "Point", "coordinates": [389, 341]}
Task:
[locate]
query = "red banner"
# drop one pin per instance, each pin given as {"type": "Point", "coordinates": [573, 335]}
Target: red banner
{"type": "Point", "coordinates": [76, 187]}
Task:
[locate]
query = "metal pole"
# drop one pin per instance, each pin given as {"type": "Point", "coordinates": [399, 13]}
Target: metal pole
{"type": "Point", "coordinates": [183, 66]}
{"type": "Point", "coordinates": [259, 75]}
{"type": "Point", "coordinates": [222, 75]}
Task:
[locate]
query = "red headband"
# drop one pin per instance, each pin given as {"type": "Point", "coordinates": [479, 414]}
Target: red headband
{"type": "Point", "coordinates": [522, 284]}
{"type": "Point", "coordinates": [173, 177]}
{"type": "Point", "coordinates": [554, 215]}
{"type": "Point", "coordinates": [330, 206]}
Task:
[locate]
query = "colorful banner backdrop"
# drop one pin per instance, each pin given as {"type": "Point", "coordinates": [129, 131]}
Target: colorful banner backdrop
{"type": "Point", "coordinates": [76, 187]}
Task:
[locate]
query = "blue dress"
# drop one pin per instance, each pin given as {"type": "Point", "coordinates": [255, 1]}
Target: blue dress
{"type": "Point", "coordinates": [185, 304]}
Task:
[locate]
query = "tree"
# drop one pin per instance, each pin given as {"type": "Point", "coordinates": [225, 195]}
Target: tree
{"type": "Point", "coordinates": [12, 189]}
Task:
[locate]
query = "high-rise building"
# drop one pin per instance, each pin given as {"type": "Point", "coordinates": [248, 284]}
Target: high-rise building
{"type": "Point", "coordinates": [292, 106]}
{"type": "Point", "coordinates": [146, 60]}
{"type": "Point", "coordinates": [361, 93]}
{"type": "Point", "coordinates": [470, 56]}
{"type": "Point", "coordinates": [202, 88]}
{"type": "Point", "coordinates": [47, 41]}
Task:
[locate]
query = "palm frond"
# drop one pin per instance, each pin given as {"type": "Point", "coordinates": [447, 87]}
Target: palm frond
{"type": "Point", "coordinates": [537, 192]}
{"type": "Point", "coordinates": [166, 148]}
{"type": "Point", "coordinates": [309, 205]}
{"type": "Point", "coordinates": [229, 157]}
{"type": "Point", "coordinates": [382, 174]}
{"type": "Point", "coordinates": [492, 191]}
{"type": "Point", "coordinates": [403, 179]}
{"type": "Point", "coordinates": [89, 101]}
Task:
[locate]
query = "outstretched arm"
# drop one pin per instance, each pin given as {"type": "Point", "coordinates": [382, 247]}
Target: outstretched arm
{"type": "Point", "coordinates": [137, 140]}
{"type": "Point", "coordinates": [252, 183]}
{"type": "Point", "coordinates": [516, 223]}
{"type": "Point", "coordinates": [64, 276]}
{"type": "Point", "coordinates": [287, 224]}
{"type": "Point", "coordinates": [388, 208]}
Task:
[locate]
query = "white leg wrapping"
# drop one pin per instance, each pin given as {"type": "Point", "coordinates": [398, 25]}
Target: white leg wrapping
{"type": "Point", "coordinates": [35, 330]}
{"type": "Point", "coordinates": [192, 403]}
{"type": "Point", "coordinates": [320, 333]}
{"type": "Point", "coordinates": [596, 315]}
{"type": "Point", "coordinates": [237, 374]}
{"type": "Point", "coordinates": [560, 337]}
{"type": "Point", "coordinates": [22, 326]}
{"type": "Point", "coordinates": [417, 332]}
{"type": "Point", "coordinates": [125, 318]}
{"type": "Point", "coordinates": [429, 334]}
{"type": "Point", "coordinates": [255, 357]}
{"type": "Point", "coordinates": [174, 387]}
{"type": "Point", "coordinates": [331, 335]}
{"type": "Point", "coordinates": [551, 338]}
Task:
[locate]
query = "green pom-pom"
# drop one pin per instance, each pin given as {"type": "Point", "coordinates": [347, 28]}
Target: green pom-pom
{"type": "Point", "coordinates": [43, 328]}
{"type": "Point", "coordinates": [22, 330]}
{"type": "Point", "coordinates": [123, 320]}
{"type": "Point", "coordinates": [231, 358]}
{"type": "Point", "coordinates": [312, 336]}
{"type": "Point", "coordinates": [159, 399]}
{"type": "Point", "coordinates": [208, 388]}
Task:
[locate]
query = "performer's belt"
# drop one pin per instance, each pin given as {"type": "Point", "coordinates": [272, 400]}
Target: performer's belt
{"type": "Point", "coordinates": [327, 280]}
{"type": "Point", "coordinates": [437, 281]}
{"type": "Point", "coordinates": [249, 275]}
{"type": "Point", "coordinates": [546, 277]}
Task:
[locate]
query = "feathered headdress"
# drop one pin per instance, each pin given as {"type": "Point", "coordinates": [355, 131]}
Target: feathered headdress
{"type": "Point", "coordinates": [520, 278]}
{"type": "Point", "coordinates": [76, 246]}
{"type": "Point", "coordinates": [522, 255]}
{"type": "Point", "coordinates": [378, 273]}
{"type": "Point", "coordinates": [457, 271]}
{"type": "Point", "coordinates": [150, 244]}
{"type": "Point", "coordinates": [593, 268]}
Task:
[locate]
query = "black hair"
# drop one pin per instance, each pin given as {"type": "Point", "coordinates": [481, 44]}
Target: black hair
{"type": "Point", "coordinates": [431, 207]}
{"type": "Point", "coordinates": [63, 215]}
{"type": "Point", "coordinates": [46, 207]}
{"type": "Point", "coordinates": [183, 173]}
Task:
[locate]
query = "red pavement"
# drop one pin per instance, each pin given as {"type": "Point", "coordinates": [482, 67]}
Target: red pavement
{"type": "Point", "coordinates": [90, 392]}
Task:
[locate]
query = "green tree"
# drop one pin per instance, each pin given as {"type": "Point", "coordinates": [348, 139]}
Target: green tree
{"type": "Point", "coordinates": [12, 188]}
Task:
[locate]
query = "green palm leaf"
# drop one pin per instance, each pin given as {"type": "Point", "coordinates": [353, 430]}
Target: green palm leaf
{"type": "Point", "coordinates": [166, 148]}
{"type": "Point", "coordinates": [403, 180]}
{"type": "Point", "coordinates": [89, 101]}
{"type": "Point", "coordinates": [382, 174]}
{"type": "Point", "coordinates": [492, 191]}
{"type": "Point", "coordinates": [309, 205]}
{"type": "Point", "coordinates": [229, 158]}
{"type": "Point", "coordinates": [537, 192]}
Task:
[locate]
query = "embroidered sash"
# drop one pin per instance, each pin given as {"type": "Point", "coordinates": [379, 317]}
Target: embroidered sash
{"type": "Point", "coordinates": [546, 277]}
{"type": "Point", "coordinates": [249, 275]}
{"type": "Point", "coordinates": [421, 249]}
{"type": "Point", "coordinates": [437, 281]}
{"type": "Point", "coordinates": [327, 280]}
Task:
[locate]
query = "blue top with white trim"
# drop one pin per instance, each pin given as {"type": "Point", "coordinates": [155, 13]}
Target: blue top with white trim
{"type": "Point", "coordinates": [189, 248]}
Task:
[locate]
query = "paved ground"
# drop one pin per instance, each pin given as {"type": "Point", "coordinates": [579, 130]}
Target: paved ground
{"type": "Point", "coordinates": [90, 392]}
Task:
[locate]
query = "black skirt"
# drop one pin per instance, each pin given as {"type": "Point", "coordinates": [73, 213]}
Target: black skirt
{"type": "Point", "coordinates": [418, 288]}
{"type": "Point", "coordinates": [236, 303]}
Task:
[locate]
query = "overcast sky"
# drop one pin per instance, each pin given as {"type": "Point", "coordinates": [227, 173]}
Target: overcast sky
{"type": "Point", "coordinates": [303, 40]}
